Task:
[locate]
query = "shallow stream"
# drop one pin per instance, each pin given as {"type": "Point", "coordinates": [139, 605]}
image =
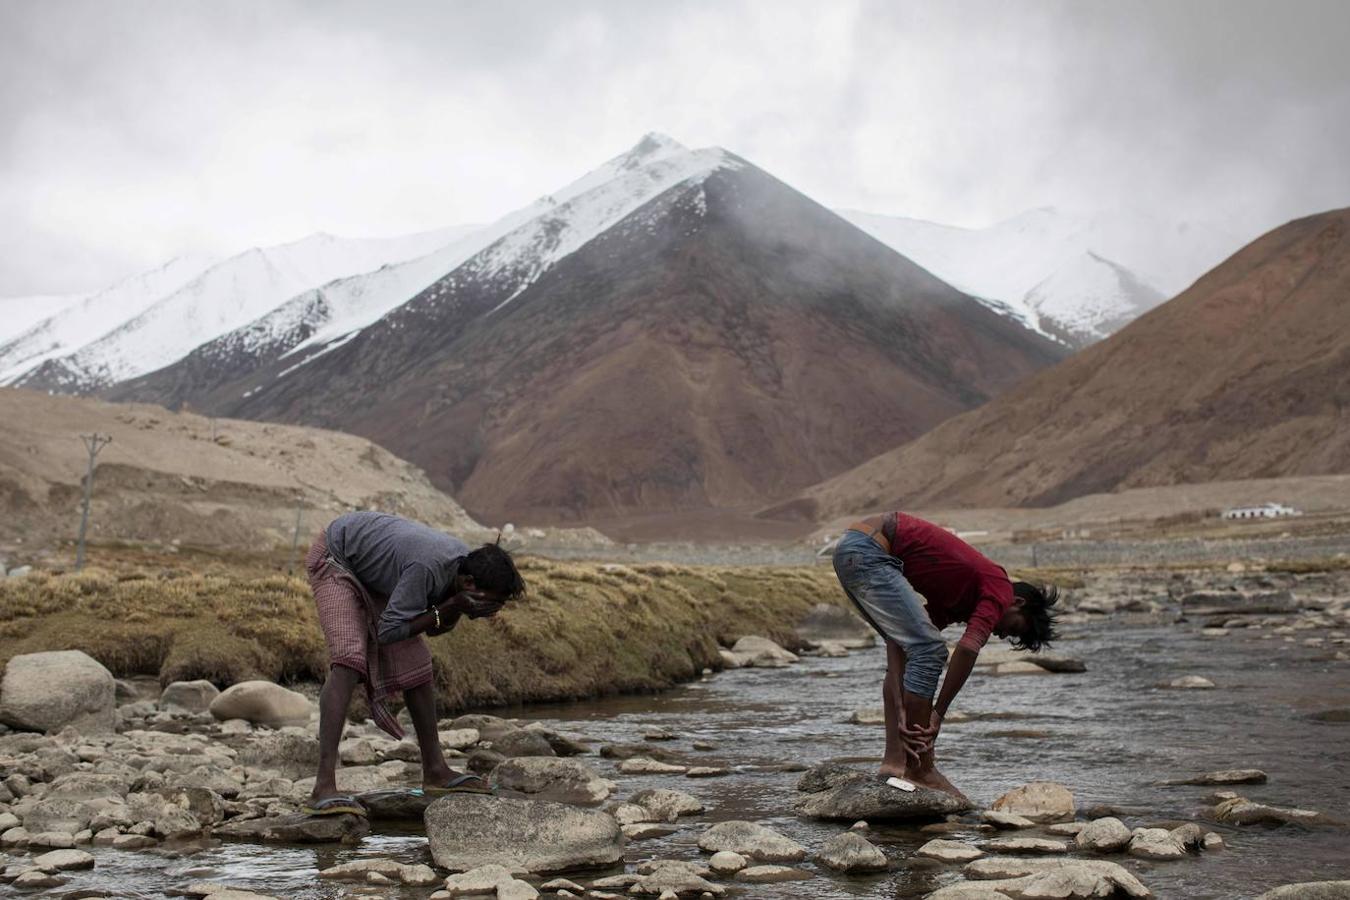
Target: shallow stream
{"type": "Point", "coordinates": [1109, 734]}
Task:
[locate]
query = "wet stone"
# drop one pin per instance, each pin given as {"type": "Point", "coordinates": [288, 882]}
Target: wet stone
{"type": "Point", "coordinates": [949, 851]}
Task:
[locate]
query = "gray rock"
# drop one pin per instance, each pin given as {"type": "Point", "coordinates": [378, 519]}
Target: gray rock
{"type": "Point", "coordinates": [63, 860]}
{"type": "Point", "coordinates": [522, 742]}
{"type": "Point", "coordinates": [188, 696]}
{"type": "Point", "coordinates": [851, 852]}
{"type": "Point", "coordinates": [262, 703]}
{"type": "Point", "coordinates": [1078, 878]}
{"type": "Point", "coordinates": [1310, 890]}
{"type": "Point", "coordinates": [725, 862]}
{"type": "Point", "coordinates": [291, 754]}
{"type": "Point", "coordinates": [469, 830]}
{"type": "Point", "coordinates": [628, 751]}
{"type": "Point", "coordinates": [52, 690]}
{"type": "Point", "coordinates": [1105, 835]}
{"type": "Point", "coordinates": [296, 829]}
{"type": "Point", "coordinates": [640, 765]}
{"type": "Point", "coordinates": [1241, 811]}
{"type": "Point", "coordinates": [751, 840]}
{"type": "Point", "coordinates": [823, 776]}
{"type": "Point", "coordinates": [1230, 603]}
{"type": "Point", "coordinates": [1224, 776]}
{"type": "Point", "coordinates": [395, 804]}
{"type": "Point", "coordinates": [1039, 801]}
{"type": "Point", "coordinates": [666, 805]}
{"type": "Point", "coordinates": [549, 778]}
{"type": "Point", "coordinates": [1190, 683]}
{"type": "Point", "coordinates": [772, 874]}
{"type": "Point", "coordinates": [762, 653]}
{"type": "Point", "coordinates": [864, 797]}
{"type": "Point", "coordinates": [1025, 845]}
{"type": "Point", "coordinates": [949, 851]}
{"type": "Point", "coordinates": [402, 873]}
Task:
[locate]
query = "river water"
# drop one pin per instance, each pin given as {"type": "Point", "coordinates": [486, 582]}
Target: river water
{"type": "Point", "coordinates": [1109, 734]}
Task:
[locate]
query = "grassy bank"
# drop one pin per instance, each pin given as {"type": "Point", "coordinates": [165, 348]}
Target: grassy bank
{"type": "Point", "coordinates": [585, 629]}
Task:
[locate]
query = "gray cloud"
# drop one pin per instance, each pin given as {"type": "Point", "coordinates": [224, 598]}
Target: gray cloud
{"type": "Point", "coordinates": [134, 131]}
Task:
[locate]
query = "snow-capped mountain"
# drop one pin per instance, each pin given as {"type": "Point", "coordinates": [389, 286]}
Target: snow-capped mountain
{"type": "Point", "coordinates": [154, 319]}
{"type": "Point", "coordinates": [509, 254]}
{"type": "Point", "coordinates": [18, 314]}
{"type": "Point", "coordinates": [1077, 278]}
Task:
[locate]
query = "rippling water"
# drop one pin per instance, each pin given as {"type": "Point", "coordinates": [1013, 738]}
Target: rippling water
{"type": "Point", "coordinates": [1108, 734]}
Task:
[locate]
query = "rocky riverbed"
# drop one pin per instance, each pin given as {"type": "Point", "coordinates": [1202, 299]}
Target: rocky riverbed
{"type": "Point", "coordinates": [1189, 742]}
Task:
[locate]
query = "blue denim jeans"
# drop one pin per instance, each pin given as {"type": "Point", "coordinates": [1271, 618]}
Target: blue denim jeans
{"type": "Point", "coordinates": [875, 581]}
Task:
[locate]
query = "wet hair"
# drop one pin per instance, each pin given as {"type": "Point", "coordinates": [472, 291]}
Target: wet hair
{"type": "Point", "coordinates": [493, 570]}
{"type": "Point", "coordinates": [1037, 612]}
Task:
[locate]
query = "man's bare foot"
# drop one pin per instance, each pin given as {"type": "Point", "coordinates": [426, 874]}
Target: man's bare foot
{"type": "Point", "coordinates": [932, 778]}
{"type": "Point", "coordinates": [891, 768]}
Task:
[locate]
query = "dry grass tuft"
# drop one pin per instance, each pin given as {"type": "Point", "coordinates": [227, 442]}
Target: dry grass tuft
{"type": "Point", "coordinates": [584, 629]}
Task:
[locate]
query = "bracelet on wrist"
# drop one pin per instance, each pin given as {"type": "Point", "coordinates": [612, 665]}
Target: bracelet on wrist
{"type": "Point", "coordinates": [436, 611]}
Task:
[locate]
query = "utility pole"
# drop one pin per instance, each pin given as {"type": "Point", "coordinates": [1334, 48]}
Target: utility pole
{"type": "Point", "coordinates": [295, 540]}
{"type": "Point", "coordinates": [93, 443]}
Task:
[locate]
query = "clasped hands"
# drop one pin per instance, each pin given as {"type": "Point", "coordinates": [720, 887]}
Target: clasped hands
{"type": "Point", "coordinates": [474, 604]}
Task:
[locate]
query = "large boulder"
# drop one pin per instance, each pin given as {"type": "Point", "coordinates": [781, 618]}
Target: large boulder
{"type": "Point", "coordinates": [1105, 835]}
{"type": "Point", "coordinates": [854, 795]}
{"type": "Point", "coordinates": [262, 703]}
{"type": "Point", "coordinates": [1039, 801]}
{"type": "Point", "coordinates": [751, 840]}
{"type": "Point", "coordinates": [465, 831]}
{"type": "Point", "coordinates": [188, 696]}
{"type": "Point", "coordinates": [50, 691]}
{"type": "Point", "coordinates": [549, 778]}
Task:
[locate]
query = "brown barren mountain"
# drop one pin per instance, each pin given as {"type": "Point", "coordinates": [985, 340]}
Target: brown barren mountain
{"type": "Point", "coordinates": [727, 343]}
{"type": "Point", "coordinates": [1244, 375]}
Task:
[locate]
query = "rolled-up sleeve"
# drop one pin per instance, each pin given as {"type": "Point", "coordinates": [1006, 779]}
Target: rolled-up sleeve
{"type": "Point", "coordinates": [981, 624]}
{"type": "Point", "coordinates": [416, 586]}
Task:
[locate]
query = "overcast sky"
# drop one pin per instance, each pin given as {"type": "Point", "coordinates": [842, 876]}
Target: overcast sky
{"type": "Point", "coordinates": [131, 132]}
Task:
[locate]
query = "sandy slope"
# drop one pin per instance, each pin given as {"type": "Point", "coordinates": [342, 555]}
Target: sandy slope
{"type": "Point", "coordinates": [164, 478]}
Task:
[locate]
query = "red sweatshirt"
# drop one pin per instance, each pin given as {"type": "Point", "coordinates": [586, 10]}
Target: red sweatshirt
{"type": "Point", "coordinates": [959, 583]}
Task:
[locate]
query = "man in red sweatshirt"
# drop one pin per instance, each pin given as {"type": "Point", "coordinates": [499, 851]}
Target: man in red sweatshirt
{"type": "Point", "coordinates": [910, 579]}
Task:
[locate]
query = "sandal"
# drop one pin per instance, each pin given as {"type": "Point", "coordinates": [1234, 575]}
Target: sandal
{"type": "Point", "coordinates": [334, 806]}
{"type": "Point", "coordinates": [460, 784]}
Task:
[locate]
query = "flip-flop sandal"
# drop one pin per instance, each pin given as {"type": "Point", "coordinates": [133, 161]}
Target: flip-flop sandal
{"type": "Point", "coordinates": [334, 806]}
{"type": "Point", "coordinates": [460, 784]}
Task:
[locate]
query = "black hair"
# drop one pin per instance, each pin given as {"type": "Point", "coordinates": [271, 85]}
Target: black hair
{"type": "Point", "coordinates": [493, 570]}
{"type": "Point", "coordinates": [1037, 601]}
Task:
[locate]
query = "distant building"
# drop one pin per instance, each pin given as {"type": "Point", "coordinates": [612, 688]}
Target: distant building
{"type": "Point", "coordinates": [1265, 511]}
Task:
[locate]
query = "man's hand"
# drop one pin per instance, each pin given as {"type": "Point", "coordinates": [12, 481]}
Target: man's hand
{"type": "Point", "coordinates": [474, 604]}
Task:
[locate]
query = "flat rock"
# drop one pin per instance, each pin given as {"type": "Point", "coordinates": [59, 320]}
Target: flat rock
{"type": "Point", "coordinates": [949, 851]}
{"type": "Point", "coordinates": [1039, 801]}
{"type": "Point", "coordinates": [860, 796]}
{"type": "Point", "coordinates": [1004, 820]}
{"type": "Point", "coordinates": [1229, 603]}
{"type": "Point", "coordinates": [641, 765]}
{"type": "Point", "coordinates": [1310, 890]}
{"type": "Point", "coordinates": [707, 771]}
{"type": "Point", "coordinates": [63, 860]}
{"type": "Point", "coordinates": [1025, 845]}
{"type": "Point", "coordinates": [629, 750]}
{"type": "Point", "coordinates": [1241, 811]}
{"type": "Point", "coordinates": [644, 831]}
{"type": "Point", "coordinates": [1086, 873]}
{"type": "Point", "coordinates": [1105, 835]}
{"type": "Point", "coordinates": [296, 829]}
{"type": "Point", "coordinates": [479, 881]}
{"type": "Point", "coordinates": [1224, 776]}
{"type": "Point", "coordinates": [395, 804]}
{"type": "Point", "coordinates": [551, 778]}
{"type": "Point", "coordinates": [402, 873]}
{"type": "Point", "coordinates": [851, 852]}
{"type": "Point", "coordinates": [53, 690]}
{"type": "Point", "coordinates": [772, 874]}
{"type": "Point", "coordinates": [751, 840]}
{"type": "Point", "coordinates": [1190, 683]}
{"type": "Point", "coordinates": [725, 862]}
{"type": "Point", "coordinates": [469, 830]}
{"type": "Point", "coordinates": [262, 703]}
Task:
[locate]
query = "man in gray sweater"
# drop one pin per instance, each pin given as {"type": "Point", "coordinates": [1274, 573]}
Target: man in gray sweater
{"type": "Point", "coordinates": [380, 583]}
